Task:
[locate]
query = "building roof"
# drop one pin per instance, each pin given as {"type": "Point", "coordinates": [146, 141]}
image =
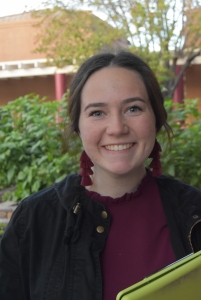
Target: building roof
{"type": "Point", "coordinates": [16, 17]}
{"type": "Point", "coordinates": [17, 58]}
{"type": "Point", "coordinates": [29, 68]}
{"type": "Point", "coordinates": [18, 42]}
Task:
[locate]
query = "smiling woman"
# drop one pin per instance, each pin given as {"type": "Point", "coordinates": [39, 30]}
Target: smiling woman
{"type": "Point", "coordinates": [97, 232]}
{"type": "Point", "coordinates": [118, 129]}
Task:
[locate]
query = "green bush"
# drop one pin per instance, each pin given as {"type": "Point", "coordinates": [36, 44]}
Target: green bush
{"type": "Point", "coordinates": [2, 228]}
{"type": "Point", "coordinates": [31, 149]}
{"type": "Point", "coordinates": [182, 160]}
{"type": "Point", "coordinates": [32, 154]}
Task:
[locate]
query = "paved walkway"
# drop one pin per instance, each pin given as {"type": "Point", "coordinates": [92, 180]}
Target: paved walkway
{"type": "Point", "coordinates": [6, 210]}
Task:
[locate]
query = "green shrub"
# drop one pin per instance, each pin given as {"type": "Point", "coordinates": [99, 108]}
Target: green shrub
{"type": "Point", "coordinates": [31, 151]}
{"type": "Point", "coordinates": [2, 228]}
{"type": "Point", "coordinates": [182, 160]}
{"type": "Point", "coordinates": [32, 154]}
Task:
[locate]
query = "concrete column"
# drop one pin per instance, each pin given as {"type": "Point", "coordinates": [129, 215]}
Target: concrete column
{"type": "Point", "coordinates": [60, 85]}
{"type": "Point", "coordinates": [179, 92]}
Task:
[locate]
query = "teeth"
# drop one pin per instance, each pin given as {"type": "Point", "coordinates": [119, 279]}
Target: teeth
{"type": "Point", "coordinates": [118, 147]}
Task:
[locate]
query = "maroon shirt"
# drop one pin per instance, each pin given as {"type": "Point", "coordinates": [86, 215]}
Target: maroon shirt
{"type": "Point", "coordinates": [138, 243]}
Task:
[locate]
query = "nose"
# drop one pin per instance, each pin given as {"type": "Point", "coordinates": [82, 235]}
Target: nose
{"type": "Point", "coordinates": [117, 125]}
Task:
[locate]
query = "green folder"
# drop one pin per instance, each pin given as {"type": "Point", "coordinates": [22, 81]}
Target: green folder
{"type": "Point", "coordinates": [180, 280]}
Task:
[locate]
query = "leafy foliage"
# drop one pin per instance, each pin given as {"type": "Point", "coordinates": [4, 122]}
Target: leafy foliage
{"type": "Point", "coordinates": [2, 228]}
{"type": "Point", "coordinates": [161, 32]}
{"type": "Point", "coordinates": [68, 36]}
{"type": "Point", "coordinates": [31, 149]}
{"type": "Point", "coordinates": [32, 153]}
{"type": "Point", "coordinates": [182, 160]}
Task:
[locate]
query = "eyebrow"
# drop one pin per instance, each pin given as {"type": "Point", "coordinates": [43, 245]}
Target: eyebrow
{"type": "Point", "coordinates": [103, 104]}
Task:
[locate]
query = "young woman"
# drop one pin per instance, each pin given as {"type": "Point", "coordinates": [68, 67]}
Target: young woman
{"type": "Point", "coordinates": [94, 234]}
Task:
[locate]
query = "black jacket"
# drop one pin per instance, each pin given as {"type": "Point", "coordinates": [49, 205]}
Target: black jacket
{"type": "Point", "coordinates": [50, 250]}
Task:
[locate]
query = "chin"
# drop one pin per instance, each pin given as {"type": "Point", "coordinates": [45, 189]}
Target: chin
{"type": "Point", "coordinates": [126, 171]}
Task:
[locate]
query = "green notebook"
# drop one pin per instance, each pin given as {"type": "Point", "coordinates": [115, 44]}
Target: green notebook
{"type": "Point", "coordinates": [180, 280]}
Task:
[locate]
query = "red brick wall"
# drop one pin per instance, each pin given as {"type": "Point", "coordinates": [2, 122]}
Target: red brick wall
{"type": "Point", "coordinates": [193, 83]}
{"type": "Point", "coordinates": [11, 88]}
{"type": "Point", "coordinates": [18, 39]}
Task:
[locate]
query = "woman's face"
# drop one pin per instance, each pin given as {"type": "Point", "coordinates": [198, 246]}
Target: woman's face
{"type": "Point", "coordinates": [117, 123]}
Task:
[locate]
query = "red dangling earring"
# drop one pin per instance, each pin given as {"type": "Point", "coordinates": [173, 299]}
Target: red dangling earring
{"type": "Point", "coordinates": [155, 165]}
{"type": "Point", "coordinates": [85, 165]}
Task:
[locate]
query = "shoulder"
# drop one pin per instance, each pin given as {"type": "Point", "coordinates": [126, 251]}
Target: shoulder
{"type": "Point", "coordinates": [177, 191]}
{"type": "Point", "coordinates": [41, 200]}
{"type": "Point", "coordinates": [172, 183]}
{"type": "Point", "coordinates": [45, 204]}
{"type": "Point", "coordinates": [50, 196]}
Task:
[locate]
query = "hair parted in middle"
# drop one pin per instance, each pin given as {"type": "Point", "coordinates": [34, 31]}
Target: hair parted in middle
{"type": "Point", "coordinates": [122, 59]}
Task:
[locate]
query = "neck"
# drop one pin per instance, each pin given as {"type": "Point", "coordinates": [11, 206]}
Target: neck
{"type": "Point", "coordinates": [114, 185]}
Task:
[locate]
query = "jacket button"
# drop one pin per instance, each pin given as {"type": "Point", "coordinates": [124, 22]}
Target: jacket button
{"type": "Point", "coordinates": [100, 229]}
{"type": "Point", "coordinates": [195, 216]}
{"type": "Point", "coordinates": [104, 214]}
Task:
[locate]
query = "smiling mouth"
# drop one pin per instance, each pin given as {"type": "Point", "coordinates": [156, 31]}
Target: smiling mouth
{"type": "Point", "coordinates": [118, 147]}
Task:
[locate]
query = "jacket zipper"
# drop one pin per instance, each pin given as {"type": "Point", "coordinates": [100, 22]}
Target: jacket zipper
{"type": "Point", "coordinates": [76, 208]}
{"type": "Point", "coordinates": [189, 236]}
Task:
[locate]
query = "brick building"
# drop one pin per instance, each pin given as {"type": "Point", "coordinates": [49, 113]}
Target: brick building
{"type": "Point", "coordinates": [190, 85]}
{"type": "Point", "coordinates": [22, 71]}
